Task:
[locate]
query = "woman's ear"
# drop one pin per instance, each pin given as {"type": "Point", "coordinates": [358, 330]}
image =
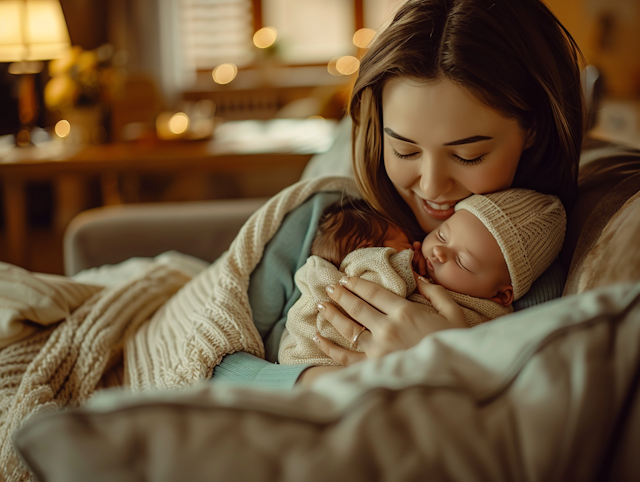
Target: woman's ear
{"type": "Point", "coordinates": [530, 139]}
{"type": "Point", "coordinates": [504, 296]}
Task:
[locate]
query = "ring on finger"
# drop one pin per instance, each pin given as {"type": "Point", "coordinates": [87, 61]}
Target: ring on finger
{"type": "Point", "coordinates": [354, 342]}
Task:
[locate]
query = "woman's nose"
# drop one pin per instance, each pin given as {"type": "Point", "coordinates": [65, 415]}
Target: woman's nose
{"type": "Point", "coordinates": [435, 178]}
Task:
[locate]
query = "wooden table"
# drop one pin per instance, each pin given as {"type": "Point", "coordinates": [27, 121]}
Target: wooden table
{"type": "Point", "coordinates": [68, 168]}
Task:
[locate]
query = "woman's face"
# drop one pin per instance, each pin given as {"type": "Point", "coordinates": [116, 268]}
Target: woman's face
{"type": "Point", "coordinates": [441, 144]}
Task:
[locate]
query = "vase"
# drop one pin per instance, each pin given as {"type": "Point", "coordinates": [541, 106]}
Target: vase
{"type": "Point", "coordinates": [87, 125]}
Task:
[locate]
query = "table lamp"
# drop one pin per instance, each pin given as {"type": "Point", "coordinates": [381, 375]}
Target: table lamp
{"type": "Point", "coordinates": [30, 31]}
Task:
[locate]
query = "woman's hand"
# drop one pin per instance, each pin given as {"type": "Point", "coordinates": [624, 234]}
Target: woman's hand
{"type": "Point", "coordinates": [419, 262]}
{"type": "Point", "coordinates": [392, 323]}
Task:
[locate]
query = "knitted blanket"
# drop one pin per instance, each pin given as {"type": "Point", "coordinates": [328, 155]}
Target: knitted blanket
{"type": "Point", "coordinates": [63, 340]}
{"type": "Point", "coordinates": [383, 266]}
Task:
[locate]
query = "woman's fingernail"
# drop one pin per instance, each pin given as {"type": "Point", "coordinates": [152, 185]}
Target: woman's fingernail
{"type": "Point", "coordinates": [344, 280]}
{"type": "Point", "coordinates": [422, 279]}
{"type": "Point", "coordinates": [320, 307]}
{"type": "Point", "coordinates": [330, 289]}
{"type": "Point", "coordinates": [316, 339]}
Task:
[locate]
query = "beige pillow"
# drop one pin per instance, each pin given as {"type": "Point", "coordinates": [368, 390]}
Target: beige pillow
{"type": "Point", "coordinates": [608, 181]}
{"type": "Point", "coordinates": [616, 256]}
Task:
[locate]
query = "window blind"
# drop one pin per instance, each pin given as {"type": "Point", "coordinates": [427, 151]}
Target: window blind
{"type": "Point", "coordinates": [216, 31]}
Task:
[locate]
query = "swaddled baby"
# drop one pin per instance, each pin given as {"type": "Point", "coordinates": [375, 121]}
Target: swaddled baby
{"type": "Point", "coordinates": [486, 255]}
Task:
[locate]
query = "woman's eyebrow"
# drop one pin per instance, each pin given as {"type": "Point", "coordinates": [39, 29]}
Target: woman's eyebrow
{"type": "Point", "coordinates": [398, 136]}
{"type": "Point", "coordinates": [467, 140]}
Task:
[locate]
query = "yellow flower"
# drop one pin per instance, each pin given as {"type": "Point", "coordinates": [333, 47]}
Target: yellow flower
{"type": "Point", "coordinates": [63, 65]}
{"type": "Point", "coordinates": [87, 61]}
{"type": "Point", "coordinates": [60, 92]}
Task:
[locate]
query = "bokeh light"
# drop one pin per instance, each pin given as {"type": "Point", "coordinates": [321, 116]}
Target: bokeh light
{"type": "Point", "coordinates": [225, 73]}
{"type": "Point", "coordinates": [265, 37]}
{"type": "Point", "coordinates": [62, 128]}
{"type": "Point", "coordinates": [363, 37]}
{"type": "Point", "coordinates": [347, 65]}
{"type": "Point", "coordinates": [331, 66]}
{"type": "Point", "coordinates": [179, 123]}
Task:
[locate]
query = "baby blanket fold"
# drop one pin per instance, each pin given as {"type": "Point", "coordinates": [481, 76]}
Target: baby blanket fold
{"type": "Point", "coordinates": [383, 266]}
{"type": "Point", "coordinates": [159, 329]}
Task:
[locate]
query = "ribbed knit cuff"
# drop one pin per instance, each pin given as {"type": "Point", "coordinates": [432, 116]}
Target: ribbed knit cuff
{"type": "Point", "coordinates": [247, 370]}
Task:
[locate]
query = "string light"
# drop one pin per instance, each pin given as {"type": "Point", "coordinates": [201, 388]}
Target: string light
{"type": "Point", "coordinates": [265, 37]}
{"type": "Point", "coordinates": [331, 66]}
{"type": "Point", "coordinates": [363, 37]}
{"type": "Point", "coordinates": [224, 73]}
{"type": "Point", "coordinates": [62, 128]}
{"type": "Point", "coordinates": [179, 123]}
{"type": "Point", "coordinates": [347, 65]}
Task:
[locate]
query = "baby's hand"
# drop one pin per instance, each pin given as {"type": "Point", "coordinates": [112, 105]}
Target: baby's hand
{"type": "Point", "coordinates": [419, 263]}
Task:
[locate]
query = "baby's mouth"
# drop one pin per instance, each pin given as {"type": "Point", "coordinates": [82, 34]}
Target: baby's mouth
{"type": "Point", "coordinates": [429, 265]}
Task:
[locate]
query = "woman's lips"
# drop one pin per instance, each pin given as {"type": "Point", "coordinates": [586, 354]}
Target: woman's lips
{"type": "Point", "coordinates": [437, 213]}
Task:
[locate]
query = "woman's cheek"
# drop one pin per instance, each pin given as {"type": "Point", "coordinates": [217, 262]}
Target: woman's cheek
{"type": "Point", "coordinates": [398, 171]}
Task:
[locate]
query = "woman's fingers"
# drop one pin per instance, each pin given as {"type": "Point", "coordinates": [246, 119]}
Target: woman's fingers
{"type": "Point", "coordinates": [442, 301]}
{"type": "Point", "coordinates": [348, 328]}
{"type": "Point", "coordinates": [337, 353]}
{"type": "Point", "coordinates": [364, 312]}
{"type": "Point", "coordinates": [365, 301]}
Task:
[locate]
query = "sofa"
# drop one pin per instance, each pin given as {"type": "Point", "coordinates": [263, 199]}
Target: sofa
{"type": "Point", "coordinates": [548, 393]}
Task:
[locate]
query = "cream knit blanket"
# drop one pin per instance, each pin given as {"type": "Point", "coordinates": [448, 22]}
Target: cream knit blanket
{"type": "Point", "coordinates": [382, 266]}
{"type": "Point", "coordinates": [63, 339]}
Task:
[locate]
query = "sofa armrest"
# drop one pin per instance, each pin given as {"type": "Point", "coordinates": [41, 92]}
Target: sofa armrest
{"type": "Point", "coordinates": [113, 234]}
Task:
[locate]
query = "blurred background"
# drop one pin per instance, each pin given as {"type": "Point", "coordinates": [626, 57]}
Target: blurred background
{"type": "Point", "coordinates": [107, 102]}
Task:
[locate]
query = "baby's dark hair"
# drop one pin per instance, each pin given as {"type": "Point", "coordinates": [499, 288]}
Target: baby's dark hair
{"type": "Point", "coordinates": [345, 226]}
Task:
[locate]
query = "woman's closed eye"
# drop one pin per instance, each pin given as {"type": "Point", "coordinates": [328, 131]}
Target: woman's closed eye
{"type": "Point", "coordinates": [404, 156]}
{"type": "Point", "coordinates": [469, 162]}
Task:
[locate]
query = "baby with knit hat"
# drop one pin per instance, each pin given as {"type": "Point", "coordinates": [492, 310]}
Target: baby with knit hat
{"type": "Point", "coordinates": [486, 255]}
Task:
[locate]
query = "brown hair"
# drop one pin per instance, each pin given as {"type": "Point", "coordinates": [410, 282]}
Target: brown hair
{"type": "Point", "coordinates": [345, 226]}
{"type": "Point", "coordinates": [513, 55]}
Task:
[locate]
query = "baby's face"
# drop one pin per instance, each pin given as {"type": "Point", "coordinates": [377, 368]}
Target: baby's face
{"type": "Point", "coordinates": [463, 256]}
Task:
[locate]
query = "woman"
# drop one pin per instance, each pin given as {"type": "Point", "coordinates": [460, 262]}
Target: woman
{"type": "Point", "coordinates": [455, 97]}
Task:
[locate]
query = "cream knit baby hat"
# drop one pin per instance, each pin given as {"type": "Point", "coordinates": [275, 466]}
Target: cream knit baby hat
{"type": "Point", "coordinates": [529, 227]}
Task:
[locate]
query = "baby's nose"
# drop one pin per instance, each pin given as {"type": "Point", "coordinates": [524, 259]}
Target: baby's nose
{"type": "Point", "coordinates": [440, 252]}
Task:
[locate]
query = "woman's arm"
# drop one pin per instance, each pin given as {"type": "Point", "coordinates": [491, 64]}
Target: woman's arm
{"type": "Point", "coordinates": [272, 292]}
{"type": "Point", "coordinates": [392, 323]}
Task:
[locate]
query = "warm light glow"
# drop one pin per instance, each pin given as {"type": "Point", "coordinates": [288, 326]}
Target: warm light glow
{"type": "Point", "coordinates": [32, 30]}
{"type": "Point", "coordinates": [265, 37]}
{"type": "Point", "coordinates": [63, 128]}
{"type": "Point", "coordinates": [347, 65]}
{"type": "Point", "coordinates": [179, 123]}
{"type": "Point", "coordinates": [363, 37]}
{"type": "Point", "coordinates": [331, 66]}
{"type": "Point", "coordinates": [225, 73]}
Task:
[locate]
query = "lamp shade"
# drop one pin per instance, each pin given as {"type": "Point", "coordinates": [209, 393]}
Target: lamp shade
{"type": "Point", "coordinates": [32, 30]}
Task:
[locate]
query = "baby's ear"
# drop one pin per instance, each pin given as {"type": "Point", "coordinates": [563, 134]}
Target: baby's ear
{"type": "Point", "coordinates": [504, 296]}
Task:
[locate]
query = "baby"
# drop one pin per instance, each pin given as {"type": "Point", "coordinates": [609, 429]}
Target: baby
{"type": "Point", "coordinates": [486, 255]}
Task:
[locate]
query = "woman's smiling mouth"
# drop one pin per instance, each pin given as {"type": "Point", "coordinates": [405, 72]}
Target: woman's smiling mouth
{"type": "Point", "coordinates": [438, 211]}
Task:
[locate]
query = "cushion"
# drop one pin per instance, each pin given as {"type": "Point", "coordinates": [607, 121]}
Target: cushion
{"type": "Point", "coordinates": [609, 176]}
{"type": "Point", "coordinates": [535, 395]}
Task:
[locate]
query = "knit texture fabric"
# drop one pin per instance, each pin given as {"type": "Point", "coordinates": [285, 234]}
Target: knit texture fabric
{"type": "Point", "coordinates": [383, 266]}
{"type": "Point", "coordinates": [529, 227]}
{"type": "Point", "coordinates": [160, 329]}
